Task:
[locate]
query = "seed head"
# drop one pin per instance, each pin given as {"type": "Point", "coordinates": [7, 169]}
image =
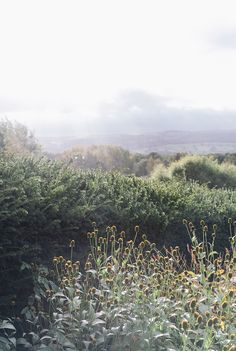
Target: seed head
{"type": "Point", "coordinates": [199, 319]}
{"type": "Point", "coordinates": [184, 324]}
{"type": "Point", "coordinates": [93, 290]}
{"type": "Point", "coordinates": [55, 260]}
{"type": "Point", "coordinates": [193, 303]}
{"type": "Point", "coordinates": [122, 234]}
{"type": "Point", "coordinates": [72, 243]}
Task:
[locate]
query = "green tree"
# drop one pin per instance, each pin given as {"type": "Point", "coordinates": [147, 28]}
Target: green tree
{"type": "Point", "coordinates": [15, 138]}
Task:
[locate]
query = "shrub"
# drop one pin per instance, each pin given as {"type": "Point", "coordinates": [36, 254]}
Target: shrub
{"type": "Point", "coordinates": [203, 169]}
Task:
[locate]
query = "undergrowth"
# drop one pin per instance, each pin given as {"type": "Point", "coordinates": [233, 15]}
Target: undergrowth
{"type": "Point", "coordinates": [131, 296]}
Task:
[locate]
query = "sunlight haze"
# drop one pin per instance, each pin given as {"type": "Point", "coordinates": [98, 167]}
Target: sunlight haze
{"type": "Point", "coordinates": [68, 66]}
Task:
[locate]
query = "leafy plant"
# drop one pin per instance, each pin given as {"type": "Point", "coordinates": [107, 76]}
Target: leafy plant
{"type": "Point", "coordinates": [130, 295]}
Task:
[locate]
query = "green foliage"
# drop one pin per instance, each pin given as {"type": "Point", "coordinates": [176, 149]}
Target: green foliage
{"type": "Point", "coordinates": [203, 169]}
{"type": "Point", "coordinates": [131, 296]}
{"type": "Point", "coordinates": [44, 203]}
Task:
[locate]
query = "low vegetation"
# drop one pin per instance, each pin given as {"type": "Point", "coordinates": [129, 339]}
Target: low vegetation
{"type": "Point", "coordinates": [202, 169]}
{"type": "Point", "coordinates": [131, 296]}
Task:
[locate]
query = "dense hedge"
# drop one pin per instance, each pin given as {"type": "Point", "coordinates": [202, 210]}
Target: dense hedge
{"type": "Point", "coordinates": [43, 204]}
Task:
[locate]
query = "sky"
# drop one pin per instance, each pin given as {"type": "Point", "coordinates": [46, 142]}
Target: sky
{"type": "Point", "coordinates": [87, 66]}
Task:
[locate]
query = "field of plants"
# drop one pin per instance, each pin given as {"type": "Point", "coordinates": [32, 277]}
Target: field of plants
{"type": "Point", "coordinates": [160, 285]}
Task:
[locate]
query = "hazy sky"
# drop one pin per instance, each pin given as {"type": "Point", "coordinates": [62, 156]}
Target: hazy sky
{"type": "Point", "coordinates": [61, 62]}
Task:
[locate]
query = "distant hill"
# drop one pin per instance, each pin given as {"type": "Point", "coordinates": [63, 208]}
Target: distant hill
{"type": "Point", "coordinates": [168, 142]}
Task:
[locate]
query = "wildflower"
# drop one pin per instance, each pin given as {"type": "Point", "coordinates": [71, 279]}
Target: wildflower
{"type": "Point", "coordinates": [142, 245]}
{"type": "Point", "coordinates": [174, 252]}
{"type": "Point", "coordinates": [109, 267]}
{"type": "Point", "coordinates": [214, 227]}
{"type": "Point", "coordinates": [199, 319]}
{"type": "Point", "coordinates": [193, 303]}
{"type": "Point", "coordinates": [72, 243]}
{"type": "Point", "coordinates": [88, 266]}
{"type": "Point", "coordinates": [93, 290]}
{"type": "Point", "coordinates": [100, 240]}
{"type": "Point", "coordinates": [55, 260]}
{"type": "Point", "coordinates": [184, 324]}
{"type": "Point", "coordinates": [122, 234]}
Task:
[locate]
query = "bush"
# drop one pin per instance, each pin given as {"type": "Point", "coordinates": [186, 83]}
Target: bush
{"type": "Point", "coordinates": [203, 169]}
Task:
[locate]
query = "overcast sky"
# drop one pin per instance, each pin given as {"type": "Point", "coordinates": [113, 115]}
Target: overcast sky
{"type": "Point", "coordinates": [65, 66]}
